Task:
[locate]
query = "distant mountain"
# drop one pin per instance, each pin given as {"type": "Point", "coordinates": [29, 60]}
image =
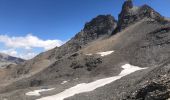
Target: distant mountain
{"type": "Point", "coordinates": [124, 59]}
{"type": "Point", "coordinates": [7, 60]}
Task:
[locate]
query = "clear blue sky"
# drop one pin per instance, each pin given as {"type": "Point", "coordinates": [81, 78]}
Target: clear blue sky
{"type": "Point", "coordinates": [60, 19]}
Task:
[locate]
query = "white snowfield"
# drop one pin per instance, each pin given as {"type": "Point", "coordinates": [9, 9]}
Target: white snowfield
{"type": "Point", "coordinates": [102, 53]}
{"type": "Point", "coordinates": [87, 87]}
{"type": "Point", "coordinates": [37, 92]}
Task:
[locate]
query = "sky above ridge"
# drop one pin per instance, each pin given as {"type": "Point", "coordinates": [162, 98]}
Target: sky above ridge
{"type": "Point", "coordinates": [28, 27]}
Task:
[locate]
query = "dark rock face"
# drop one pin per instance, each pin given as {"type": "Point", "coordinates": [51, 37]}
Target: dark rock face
{"type": "Point", "coordinates": [127, 5]}
{"type": "Point", "coordinates": [99, 26]}
{"type": "Point", "coordinates": [152, 90]}
{"type": "Point", "coordinates": [35, 83]}
{"type": "Point", "coordinates": [149, 89]}
{"type": "Point", "coordinates": [131, 14]}
{"type": "Point", "coordinates": [89, 64]}
{"type": "Point", "coordinates": [92, 63]}
{"type": "Point", "coordinates": [159, 37]}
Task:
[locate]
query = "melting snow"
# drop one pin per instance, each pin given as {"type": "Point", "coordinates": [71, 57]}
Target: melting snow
{"type": "Point", "coordinates": [87, 87]}
{"type": "Point", "coordinates": [105, 53]}
{"type": "Point", "coordinates": [102, 53]}
{"type": "Point", "coordinates": [37, 92]}
{"type": "Point", "coordinates": [64, 82]}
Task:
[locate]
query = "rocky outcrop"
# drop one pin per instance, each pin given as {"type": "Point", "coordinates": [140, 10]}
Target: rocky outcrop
{"type": "Point", "coordinates": [101, 25]}
{"type": "Point", "coordinates": [130, 14]}
{"type": "Point", "coordinates": [153, 90]}
{"type": "Point", "coordinates": [97, 27]}
{"type": "Point", "coordinates": [89, 64]}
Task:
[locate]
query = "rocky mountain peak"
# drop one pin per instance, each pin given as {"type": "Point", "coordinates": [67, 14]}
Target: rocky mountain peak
{"type": "Point", "coordinates": [97, 27]}
{"type": "Point", "coordinates": [131, 14]}
{"type": "Point", "coordinates": [102, 24]}
{"type": "Point", "coordinates": [128, 4]}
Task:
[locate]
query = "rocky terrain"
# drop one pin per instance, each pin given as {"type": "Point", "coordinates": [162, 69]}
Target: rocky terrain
{"type": "Point", "coordinates": [140, 38]}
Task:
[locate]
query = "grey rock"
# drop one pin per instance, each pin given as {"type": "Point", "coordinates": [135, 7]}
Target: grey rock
{"type": "Point", "coordinates": [131, 14]}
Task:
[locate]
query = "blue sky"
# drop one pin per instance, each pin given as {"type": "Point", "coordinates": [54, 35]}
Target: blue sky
{"type": "Point", "coordinates": [53, 20]}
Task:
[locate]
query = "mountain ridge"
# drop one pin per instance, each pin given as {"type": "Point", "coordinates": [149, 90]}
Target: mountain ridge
{"type": "Point", "coordinates": [140, 37]}
{"type": "Point", "coordinates": [6, 60]}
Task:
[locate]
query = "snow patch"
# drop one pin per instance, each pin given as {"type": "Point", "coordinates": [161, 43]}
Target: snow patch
{"type": "Point", "coordinates": [76, 78]}
{"type": "Point", "coordinates": [37, 92]}
{"type": "Point", "coordinates": [87, 87]}
{"type": "Point", "coordinates": [105, 53]}
{"type": "Point", "coordinates": [102, 53]}
{"type": "Point", "coordinates": [64, 82]}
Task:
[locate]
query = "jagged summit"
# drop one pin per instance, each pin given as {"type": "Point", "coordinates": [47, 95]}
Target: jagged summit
{"type": "Point", "coordinates": [131, 14]}
{"type": "Point", "coordinates": [100, 22]}
{"type": "Point", "coordinates": [128, 4]}
{"type": "Point", "coordinates": [101, 25]}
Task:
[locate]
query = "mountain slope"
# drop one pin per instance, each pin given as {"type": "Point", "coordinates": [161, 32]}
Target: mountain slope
{"type": "Point", "coordinates": [140, 38]}
{"type": "Point", "coordinates": [98, 28]}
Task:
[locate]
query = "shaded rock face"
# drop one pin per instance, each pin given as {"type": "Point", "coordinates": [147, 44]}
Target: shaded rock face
{"type": "Point", "coordinates": [127, 6]}
{"type": "Point", "coordinates": [89, 64]}
{"type": "Point", "coordinates": [131, 14]}
{"type": "Point", "coordinates": [35, 83]}
{"type": "Point", "coordinates": [99, 26]}
{"type": "Point", "coordinates": [159, 37]}
{"type": "Point", "coordinates": [153, 90]}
